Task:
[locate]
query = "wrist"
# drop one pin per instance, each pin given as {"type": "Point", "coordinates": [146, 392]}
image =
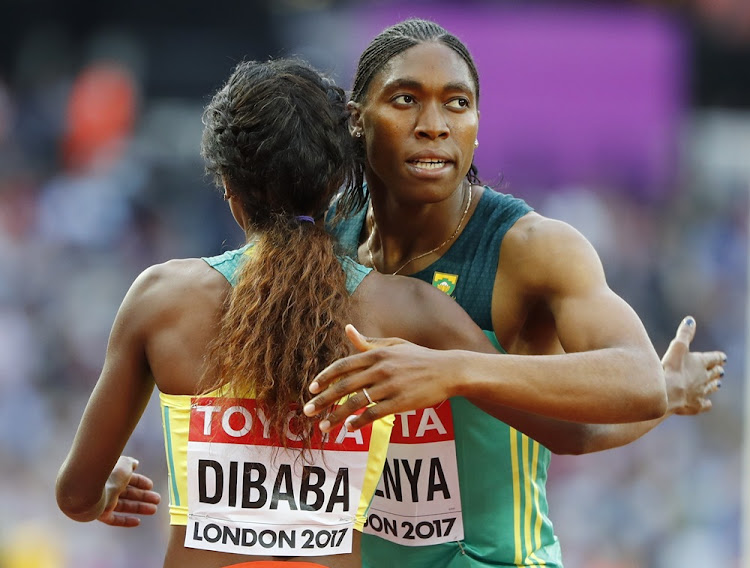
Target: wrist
{"type": "Point", "coordinates": [458, 379]}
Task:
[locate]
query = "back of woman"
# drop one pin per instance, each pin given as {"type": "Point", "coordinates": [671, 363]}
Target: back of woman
{"type": "Point", "coordinates": [233, 342]}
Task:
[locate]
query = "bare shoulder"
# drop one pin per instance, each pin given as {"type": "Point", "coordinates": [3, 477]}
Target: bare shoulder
{"type": "Point", "coordinates": [538, 251]}
{"type": "Point", "coordinates": [178, 279]}
{"type": "Point", "coordinates": [173, 287]}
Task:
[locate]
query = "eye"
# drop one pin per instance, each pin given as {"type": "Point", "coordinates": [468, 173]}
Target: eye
{"type": "Point", "coordinates": [403, 99]}
{"type": "Point", "coordinates": [458, 103]}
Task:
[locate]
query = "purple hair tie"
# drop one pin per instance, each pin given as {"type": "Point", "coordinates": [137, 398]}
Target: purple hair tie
{"type": "Point", "coordinates": [305, 218]}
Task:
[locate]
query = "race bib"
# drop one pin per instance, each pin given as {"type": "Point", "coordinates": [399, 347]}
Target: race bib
{"type": "Point", "coordinates": [417, 502]}
{"type": "Point", "coordinates": [248, 494]}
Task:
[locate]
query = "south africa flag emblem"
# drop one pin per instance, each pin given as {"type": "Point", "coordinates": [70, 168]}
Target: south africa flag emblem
{"type": "Point", "coordinates": [445, 282]}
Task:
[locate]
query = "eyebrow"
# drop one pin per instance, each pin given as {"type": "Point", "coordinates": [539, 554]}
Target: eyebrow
{"type": "Point", "coordinates": [407, 83]}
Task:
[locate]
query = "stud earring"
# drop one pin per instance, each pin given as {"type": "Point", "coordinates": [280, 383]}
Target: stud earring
{"type": "Point", "coordinates": [476, 143]}
{"type": "Point", "coordinates": [358, 134]}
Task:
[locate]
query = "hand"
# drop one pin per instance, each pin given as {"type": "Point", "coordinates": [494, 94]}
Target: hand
{"type": "Point", "coordinates": [397, 374]}
{"type": "Point", "coordinates": [691, 377]}
{"type": "Point", "coordinates": [128, 494]}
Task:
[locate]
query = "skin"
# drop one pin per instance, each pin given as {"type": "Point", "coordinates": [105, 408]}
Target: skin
{"type": "Point", "coordinates": [171, 312]}
{"type": "Point", "coordinates": [159, 339]}
{"type": "Point", "coordinates": [552, 309]}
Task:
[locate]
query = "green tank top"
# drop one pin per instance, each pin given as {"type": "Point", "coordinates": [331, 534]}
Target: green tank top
{"type": "Point", "coordinates": [502, 473]}
{"type": "Point", "coordinates": [229, 263]}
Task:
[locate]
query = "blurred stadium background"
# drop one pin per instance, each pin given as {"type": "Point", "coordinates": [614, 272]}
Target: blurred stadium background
{"type": "Point", "coordinates": [631, 120]}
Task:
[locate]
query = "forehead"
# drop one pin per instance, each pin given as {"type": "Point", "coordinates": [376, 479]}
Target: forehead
{"type": "Point", "coordinates": [430, 63]}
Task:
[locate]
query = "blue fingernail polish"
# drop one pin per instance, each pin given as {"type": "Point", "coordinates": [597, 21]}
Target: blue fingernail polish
{"type": "Point", "coordinates": [690, 321]}
{"type": "Point", "coordinates": [721, 374]}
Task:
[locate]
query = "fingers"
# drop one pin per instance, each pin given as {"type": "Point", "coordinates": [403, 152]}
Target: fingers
{"type": "Point", "coordinates": [115, 520]}
{"type": "Point", "coordinates": [141, 481]}
{"type": "Point", "coordinates": [360, 342]}
{"type": "Point", "coordinates": [137, 507]}
{"type": "Point", "coordinates": [135, 494]}
{"type": "Point", "coordinates": [340, 379]}
{"type": "Point", "coordinates": [363, 343]}
{"type": "Point", "coordinates": [713, 359]}
{"type": "Point", "coordinates": [340, 369]}
{"type": "Point", "coordinates": [680, 345]}
{"type": "Point", "coordinates": [712, 387]}
{"type": "Point", "coordinates": [686, 331]}
{"type": "Point", "coordinates": [128, 463]}
{"type": "Point", "coordinates": [345, 412]}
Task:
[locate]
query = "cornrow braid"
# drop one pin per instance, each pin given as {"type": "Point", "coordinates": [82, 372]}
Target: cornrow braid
{"type": "Point", "coordinates": [270, 116]}
{"type": "Point", "coordinates": [397, 39]}
{"type": "Point", "coordinates": [385, 46]}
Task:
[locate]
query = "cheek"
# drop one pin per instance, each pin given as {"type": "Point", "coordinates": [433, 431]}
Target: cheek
{"type": "Point", "coordinates": [382, 140]}
{"type": "Point", "coordinates": [467, 134]}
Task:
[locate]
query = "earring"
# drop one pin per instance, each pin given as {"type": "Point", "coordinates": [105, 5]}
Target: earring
{"type": "Point", "coordinates": [476, 143]}
{"type": "Point", "coordinates": [226, 195]}
{"type": "Point", "coordinates": [358, 134]}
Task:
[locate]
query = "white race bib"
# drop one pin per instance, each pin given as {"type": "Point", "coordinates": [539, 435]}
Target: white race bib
{"type": "Point", "coordinates": [417, 502]}
{"type": "Point", "coordinates": [249, 495]}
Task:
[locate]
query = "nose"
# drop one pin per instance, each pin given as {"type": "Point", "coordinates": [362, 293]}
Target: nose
{"type": "Point", "coordinates": [431, 123]}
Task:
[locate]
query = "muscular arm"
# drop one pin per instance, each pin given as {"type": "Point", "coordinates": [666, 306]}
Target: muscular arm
{"type": "Point", "coordinates": [581, 325]}
{"type": "Point", "coordinates": [691, 378]}
{"type": "Point", "coordinates": [608, 373]}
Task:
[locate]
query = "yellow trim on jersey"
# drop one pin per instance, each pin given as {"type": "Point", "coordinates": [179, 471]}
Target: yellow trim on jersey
{"type": "Point", "coordinates": [527, 524]}
{"type": "Point", "coordinates": [175, 412]}
{"type": "Point", "coordinates": [518, 558]}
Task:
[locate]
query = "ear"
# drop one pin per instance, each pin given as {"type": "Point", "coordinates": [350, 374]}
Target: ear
{"type": "Point", "coordinates": [227, 191]}
{"type": "Point", "coordinates": [355, 118]}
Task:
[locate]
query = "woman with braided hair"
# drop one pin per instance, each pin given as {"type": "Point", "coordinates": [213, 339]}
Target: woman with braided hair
{"type": "Point", "coordinates": [577, 351]}
{"type": "Point", "coordinates": [232, 343]}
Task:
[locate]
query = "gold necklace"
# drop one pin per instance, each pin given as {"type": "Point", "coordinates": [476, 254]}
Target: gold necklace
{"type": "Point", "coordinates": [422, 255]}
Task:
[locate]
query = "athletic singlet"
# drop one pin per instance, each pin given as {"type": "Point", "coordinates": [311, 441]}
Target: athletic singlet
{"type": "Point", "coordinates": [498, 515]}
{"type": "Point", "coordinates": [238, 491]}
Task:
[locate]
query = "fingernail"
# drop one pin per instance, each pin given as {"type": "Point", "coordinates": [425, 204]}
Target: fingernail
{"type": "Point", "coordinates": [309, 409]}
{"type": "Point", "coordinates": [718, 385]}
{"type": "Point", "coordinates": [721, 373]}
{"type": "Point", "coordinates": [314, 387]}
{"type": "Point", "coordinates": [348, 422]}
{"type": "Point", "coordinates": [723, 359]}
{"type": "Point", "coordinates": [690, 321]}
{"type": "Point", "coordinates": [324, 425]}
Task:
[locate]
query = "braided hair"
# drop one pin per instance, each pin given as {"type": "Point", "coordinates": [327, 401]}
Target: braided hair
{"type": "Point", "coordinates": [385, 46]}
{"type": "Point", "coordinates": [276, 135]}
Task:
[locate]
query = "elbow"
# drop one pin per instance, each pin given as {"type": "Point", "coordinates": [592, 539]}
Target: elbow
{"type": "Point", "coordinates": [657, 406]}
{"type": "Point", "coordinates": [653, 400]}
{"type": "Point", "coordinates": [76, 502]}
{"type": "Point", "coordinates": [645, 405]}
{"type": "Point", "coordinates": [568, 449]}
{"type": "Point", "coordinates": [574, 446]}
{"type": "Point", "coordinates": [647, 392]}
{"type": "Point", "coordinates": [575, 439]}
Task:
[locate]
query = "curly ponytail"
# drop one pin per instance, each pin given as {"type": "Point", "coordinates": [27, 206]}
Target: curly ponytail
{"type": "Point", "coordinates": [276, 134]}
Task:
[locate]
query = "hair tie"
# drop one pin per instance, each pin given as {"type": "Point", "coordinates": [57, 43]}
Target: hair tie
{"type": "Point", "coordinates": [305, 218]}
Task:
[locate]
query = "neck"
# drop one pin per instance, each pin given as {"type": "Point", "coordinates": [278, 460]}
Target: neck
{"type": "Point", "coordinates": [404, 237]}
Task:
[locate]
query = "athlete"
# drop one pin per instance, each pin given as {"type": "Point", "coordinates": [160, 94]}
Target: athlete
{"type": "Point", "coordinates": [534, 284]}
{"type": "Point", "coordinates": [232, 343]}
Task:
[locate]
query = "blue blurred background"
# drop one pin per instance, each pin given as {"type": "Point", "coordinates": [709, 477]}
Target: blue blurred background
{"type": "Point", "coordinates": [630, 120]}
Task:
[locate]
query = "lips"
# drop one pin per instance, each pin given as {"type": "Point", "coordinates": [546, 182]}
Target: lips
{"type": "Point", "coordinates": [429, 161]}
{"type": "Point", "coordinates": [428, 164]}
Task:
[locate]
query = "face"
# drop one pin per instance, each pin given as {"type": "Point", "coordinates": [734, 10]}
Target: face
{"type": "Point", "coordinates": [419, 121]}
